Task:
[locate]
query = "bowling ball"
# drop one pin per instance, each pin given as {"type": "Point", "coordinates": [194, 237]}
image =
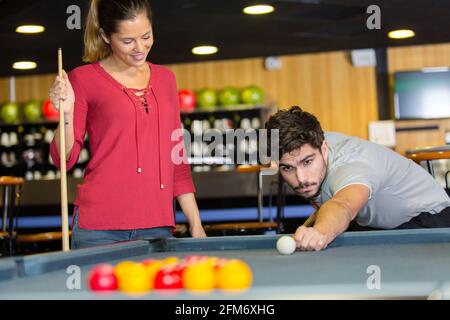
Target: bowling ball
{"type": "Point", "coordinates": [187, 100]}
{"type": "Point", "coordinates": [206, 98]}
{"type": "Point", "coordinates": [10, 113]}
{"type": "Point", "coordinates": [229, 96]}
{"type": "Point", "coordinates": [252, 95]}
{"type": "Point", "coordinates": [49, 111]}
{"type": "Point", "coordinates": [32, 110]}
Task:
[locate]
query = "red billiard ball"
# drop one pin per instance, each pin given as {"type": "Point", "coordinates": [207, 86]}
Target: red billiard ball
{"type": "Point", "coordinates": [169, 279]}
{"type": "Point", "coordinates": [148, 261]}
{"type": "Point", "coordinates": [193, 258]}
{"type": "Point", "coordinates": [102, 278]}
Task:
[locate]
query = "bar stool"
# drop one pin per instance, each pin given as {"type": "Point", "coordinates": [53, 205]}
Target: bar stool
{"type": "Point", "coordinates": [241, 227]}
{"type": "Point", "coordinates": [256, 169]}
{"type": "Point", "coordinates": [281, 202]}
{"type": "Point", "coordinates": [428, 155]}
{"type": "Point", "coordinates": [11, 192]}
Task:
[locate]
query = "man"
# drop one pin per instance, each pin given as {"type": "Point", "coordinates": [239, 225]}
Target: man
{"type": "Point", "coordinates": [349, 179]}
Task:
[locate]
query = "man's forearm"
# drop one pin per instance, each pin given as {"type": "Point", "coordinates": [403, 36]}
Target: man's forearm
{"type": "Point", "coordinates": [333, 218]}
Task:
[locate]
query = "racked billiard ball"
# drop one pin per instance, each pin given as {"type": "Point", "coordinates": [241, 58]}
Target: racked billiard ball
{"type": "Point", "coordinates": [102, 278]}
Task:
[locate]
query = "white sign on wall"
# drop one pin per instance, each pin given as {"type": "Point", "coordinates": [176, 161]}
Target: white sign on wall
{"type": "Point", "coordinates": [382, 132]}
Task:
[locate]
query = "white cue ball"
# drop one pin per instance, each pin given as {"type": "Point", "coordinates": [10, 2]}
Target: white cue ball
{"type": "Point", "coordinates": [286, 245]}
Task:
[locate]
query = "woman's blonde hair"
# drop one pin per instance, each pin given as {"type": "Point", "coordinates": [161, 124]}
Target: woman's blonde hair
{"type": "Point", "coordinates": [105, 15]}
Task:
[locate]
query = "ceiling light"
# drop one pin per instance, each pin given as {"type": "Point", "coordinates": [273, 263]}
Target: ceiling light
{"type": "Point", "coordinates": [202, 50]}
{"type": "Point", "coordinates": [24, 65]}
{"type": "Point", "coordinates": [30, 29]}
{"type": "Point", "coordinates": [259, 9]}
{"type": "Point", "coordinates": [401, 34]}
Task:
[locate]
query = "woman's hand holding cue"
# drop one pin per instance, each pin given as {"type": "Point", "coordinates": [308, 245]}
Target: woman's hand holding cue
{"type": "Point", "coordinates": [62, 91]}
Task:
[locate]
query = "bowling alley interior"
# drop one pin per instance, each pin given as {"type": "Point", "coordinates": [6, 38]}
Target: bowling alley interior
{"type": "Point", "coordinates": [377, 71]}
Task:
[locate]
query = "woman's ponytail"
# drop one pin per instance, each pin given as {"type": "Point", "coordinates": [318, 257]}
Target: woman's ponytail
{"type": "Point", "coordinates": [95, 48]}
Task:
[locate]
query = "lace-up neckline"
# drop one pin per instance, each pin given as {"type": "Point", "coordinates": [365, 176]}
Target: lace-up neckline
{"type": "Point", "coordinates": [140, 98]}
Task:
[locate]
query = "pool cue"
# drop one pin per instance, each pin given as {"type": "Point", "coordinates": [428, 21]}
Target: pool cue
{"type": "Point", "coordinates": [310, 221]}
{"type": "Point", "coordinates": [62, 141]}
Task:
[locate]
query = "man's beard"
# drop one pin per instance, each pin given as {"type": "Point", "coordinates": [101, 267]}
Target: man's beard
{"type": "Point", "coordinates": [308, 198]}
{"type": "Point", "coordinates": [300, 186]}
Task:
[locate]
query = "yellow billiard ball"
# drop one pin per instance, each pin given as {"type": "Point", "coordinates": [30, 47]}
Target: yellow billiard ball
{"type": "Point", "coordinates": [199, 277]}
{"type": "Point", "coordinates": [234, 275]}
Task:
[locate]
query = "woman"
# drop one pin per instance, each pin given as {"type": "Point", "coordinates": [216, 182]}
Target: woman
{"type": "Point", "coordinates": [129, 108]}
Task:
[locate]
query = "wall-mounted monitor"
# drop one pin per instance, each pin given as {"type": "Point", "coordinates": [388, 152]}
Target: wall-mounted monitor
{"type": "Point", "coordinates": [423, 94]}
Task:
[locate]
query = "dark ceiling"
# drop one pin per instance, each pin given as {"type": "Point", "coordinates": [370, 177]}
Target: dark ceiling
{"type": "Point", "coordinates": [296, 26]}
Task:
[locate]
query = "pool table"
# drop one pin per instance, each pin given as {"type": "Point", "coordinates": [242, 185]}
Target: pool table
{"type": "Point", "coordinates": [357, 265]}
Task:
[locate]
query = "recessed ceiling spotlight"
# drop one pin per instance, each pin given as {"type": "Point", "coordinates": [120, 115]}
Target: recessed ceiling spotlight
{"type": "Point", "coordinates": [30, 29]}
{"type": "Point", "coordinates": [203, 50]}
{"type": "Point", "coordinates": [24, 65]}
{"type": "Point", "coordinates": [401, 34]}
{"type": "Point", "coordinates": [259, 9]}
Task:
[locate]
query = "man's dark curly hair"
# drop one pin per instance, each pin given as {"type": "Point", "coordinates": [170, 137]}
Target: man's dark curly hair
{"type": "Point", "coordinates": [296, 128]}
